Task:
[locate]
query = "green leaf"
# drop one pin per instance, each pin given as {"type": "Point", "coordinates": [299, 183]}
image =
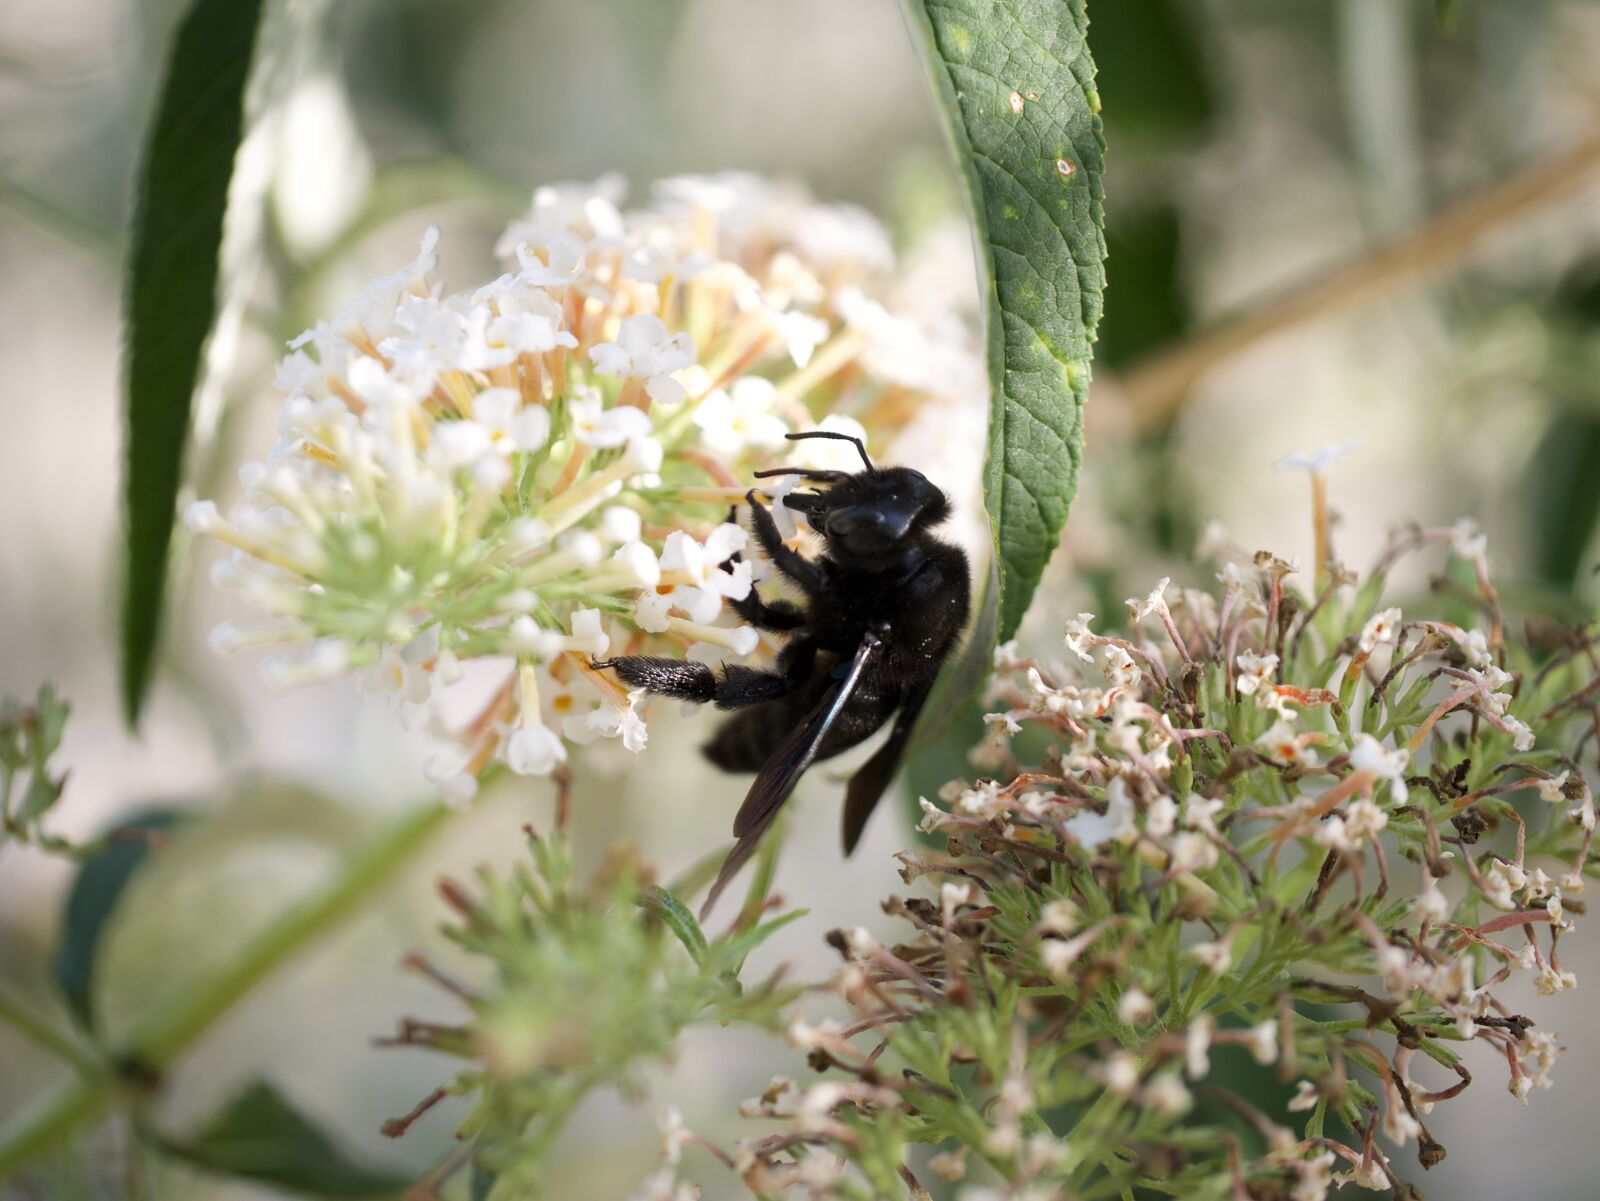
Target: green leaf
{"type": "Point", "coordinates": [678, 919]}
{"type": "Point", "coordinates": [1015, 83]}
{"type": "Point", "coordinates": [736, 949]}
{"type": "Point", "coordinates": [95, 892]}
{"type": "Point", "coordinates": [262, 1137]}
{"type": "Point", "coordinates": [171, 295]}
{"type": "Point", "coordinates": [1151, 74]}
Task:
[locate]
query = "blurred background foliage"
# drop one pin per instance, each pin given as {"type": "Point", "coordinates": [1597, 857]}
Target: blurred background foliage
{"type": "Point", "coordinates": [1256, 149]}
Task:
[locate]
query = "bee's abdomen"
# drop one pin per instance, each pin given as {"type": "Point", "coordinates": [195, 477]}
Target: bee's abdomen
{"type": "Point", "coordinates": [745, 741]}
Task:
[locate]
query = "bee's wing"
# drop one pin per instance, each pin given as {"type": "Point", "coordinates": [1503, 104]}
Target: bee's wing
{"type": "Point", "coordinates": [784, 769]}
{"type": "Point", "coordinates": [867, 785]}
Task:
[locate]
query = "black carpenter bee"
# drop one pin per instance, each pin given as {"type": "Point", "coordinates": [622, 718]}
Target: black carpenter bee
{"type": "Point", "coordinates": [885, 605]}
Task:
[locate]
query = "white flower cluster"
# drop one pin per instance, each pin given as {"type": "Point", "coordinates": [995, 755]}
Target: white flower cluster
{"type": "Point", "coordinates": [537, 471]}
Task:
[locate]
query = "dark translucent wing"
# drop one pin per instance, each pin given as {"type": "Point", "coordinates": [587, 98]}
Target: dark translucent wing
{"type": "Point", "coordinates": [867, 785]}
{"type": "Point", "coordinates": [783, 771]}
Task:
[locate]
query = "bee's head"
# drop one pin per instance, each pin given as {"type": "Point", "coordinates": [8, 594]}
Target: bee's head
{"type": "Point", "coordinates": [869, 514]}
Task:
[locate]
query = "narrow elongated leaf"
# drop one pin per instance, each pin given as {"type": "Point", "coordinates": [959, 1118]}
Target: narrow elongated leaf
{"type": "Point", "coordinates": [171, 295]}
{"type": "Point", "coordinates": [1015, 83]}
{"type": "Point", "coordinates": [99, 885]}
{"type": "Point", "coordinates": [677, 918]}
{"type": "Point", "coordinates": [260, 1136]}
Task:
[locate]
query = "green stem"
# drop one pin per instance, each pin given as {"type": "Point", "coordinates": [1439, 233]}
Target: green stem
{"type": "Point", "coordinates": [166, 1035]}
{"type": "Point", "coordinates": [80, 1101]}
{"type": "Point", "coordinates": [44, 1035]}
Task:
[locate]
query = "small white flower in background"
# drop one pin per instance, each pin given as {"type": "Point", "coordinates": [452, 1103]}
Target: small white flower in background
{"type": "Point", "coordinates": [734, 420]}
{"type": "Point", "coordinates": [1155, 602]}
{"type": "Point", "coordinates": [1501, 882]}
{"type": "Point", "coordinates": [1254, 671]}
{"type": "Point", "coordinates": [1167, 1094]}
{"type": "Point", "coordinates": [535, 471]}
{"type": "Point", "coordinates": [1092, 829]}
{"type": "Point", "coordinates": [1286, 746]}
{"type": "Point", "coordinates": [1197, 1046]}
{"type": "Point", "coordinates": [1263, 1042]}
{"type": "Point", "coordinates": [1136, 1007]}
{"type": "Point", "coordinates": [1317, 462]}
{"type": "Point", "coordinates": [1077, 635]}
{"type": "Point", "coordinates": [1468, 541]}
{"type": "Point", "coordinates": [1368, 754]}
{"type": "Point", "coordinates": [1381, 630]}
{"type": "Point", "coordinates": [1216, 956]}
{"type": "Point", "coordinates": [1120, 1073]}
{"type": "Point", "coordinates": [647, 351]}
{"type": "Point", "coordinates": [1304, 1099]}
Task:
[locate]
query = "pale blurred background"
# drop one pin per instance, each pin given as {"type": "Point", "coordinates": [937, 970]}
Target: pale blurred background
{"type": "Point", "coordinates": [1253, 146]}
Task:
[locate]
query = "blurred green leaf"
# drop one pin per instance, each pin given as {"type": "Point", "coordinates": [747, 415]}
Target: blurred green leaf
{"type": "Point", "coordinates": [676, 918]}
{"type": "Point", "coordinates": [736, 949]}
{"type": "Point", "coordinates": [1146, 304]}
{"type": "Point", "coordinates": [95, 892]}
{"type": "Point", "coordinates": [1566, 495]}
{"type": "Point", "coordinates": [1151, 72]}
{"type": "Point", "coordinates": [171, 295]}
{"type": "Point", "coordinates": [262, 1137]}
{"type": "Point", "coordinates": [1015, 84]}
{"type": "Point", "coordinates": [1562, 479]}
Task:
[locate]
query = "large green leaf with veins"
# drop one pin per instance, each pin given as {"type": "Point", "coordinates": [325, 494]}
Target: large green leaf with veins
{"type": "Point", "coordinates": [1016, 86]}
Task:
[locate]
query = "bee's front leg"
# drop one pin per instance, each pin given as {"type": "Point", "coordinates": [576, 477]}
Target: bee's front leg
{"type": "Point", "coordinates": [791, 562]}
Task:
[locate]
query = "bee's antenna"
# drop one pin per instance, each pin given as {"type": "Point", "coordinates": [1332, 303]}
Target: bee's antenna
{"type": "Point", "coordinates": [837, 437]}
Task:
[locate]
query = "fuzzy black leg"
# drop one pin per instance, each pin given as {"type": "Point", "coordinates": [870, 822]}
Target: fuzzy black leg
{"type": "Point", "coordinates": [665, 677]}
{"type": "Point", "coordinates": [791, 562]}
{"type": "Point", "coordinates": [735, 688]}
{"type": "Point", "coordinates": [777, 616]}
{"type": "Point", "coordinates": [741, 686]}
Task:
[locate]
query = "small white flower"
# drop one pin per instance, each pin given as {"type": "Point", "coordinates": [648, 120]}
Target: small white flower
{"type": "Point", "coordinates": [1155, 602]}
{"type": "Point", "coordinates": [1161, 817]}
{"type": "Point", "coordinates": [1304, 1099]}
{"type": "Point", "coordinates": [1092, 830]}
{"type": "Point", "coordinates": [1368, 754]}
{"type": "Point", "coordinates": [646, 350]}
{"type": "Point", "coordinates": [1552, 789]}
{"type": "Point", "coordinates": [1120, 1073]}
{"type": "Point", "coordinates": [1501, 882]}
{"type": "Point", "coordinates": [1467, 541]}
{"type": "Point", "coordinates": [1430, 904]}
{"type": "Point", "coordinates": [1286, 746]}
{"type": "Point", "coordinates": [1381, 629]}
{"type": "Point", "coordinates": [604, 428]}
{"type": "Point", "coordinates": [1317, 462]}
{"type": "Point", "coordinates": [1197, 1046]}
{"type": "Point", "coordinates": [741, 418]}
{"type": "Point", "coordinates": [1135, 1007]}
{"type": "Point", "coordinates": [1166, 1094]}
{"type": "Point", "coordinates": [1255, 671]}
{"type": "Point", "coordinates": [1077, 634]}
{"type": "Point", "coordinates": [1216, 957]}
{"type": "Point", "coordinates": [1263, 1042]}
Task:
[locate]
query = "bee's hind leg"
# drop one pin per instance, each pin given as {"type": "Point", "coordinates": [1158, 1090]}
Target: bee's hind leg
{"type": "Point", "coordinates": [736, 687]}
{"type": "Point", "coordinates": [687, 681]}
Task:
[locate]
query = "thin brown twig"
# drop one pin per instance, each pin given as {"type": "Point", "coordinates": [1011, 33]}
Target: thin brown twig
{"type": "Point", "coordinates": [1155, 386]}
